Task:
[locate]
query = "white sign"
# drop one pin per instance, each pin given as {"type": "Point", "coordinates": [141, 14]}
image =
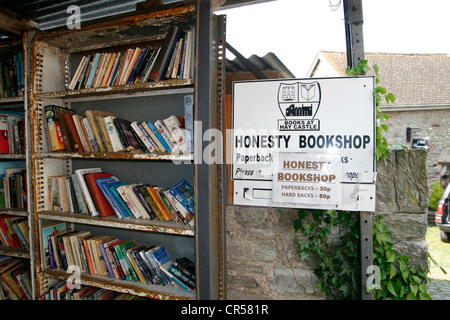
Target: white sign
{"type": "Point", "coordinates": [329, 117]}
{"type": "Point", "coordinates": [311, 178]}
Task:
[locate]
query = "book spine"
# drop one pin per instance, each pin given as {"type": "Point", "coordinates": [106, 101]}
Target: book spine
{"type": "Point", "coordinates": [54, 130]}
{"type": "Point", "coordinates": [151, 136]}
{"type": "Point", "coordinates": [149, 145]}
{"type": "Point", "coordinates": [158, 136]}
{"type": "Point", "coordinates": [182, 200]}
{"type": "Point", "coordinates": [113, 134]}
{"type": "Point", "coordinates": [189, 124]}
{"type": "Point", "coordinates": [90, 134]}
{"type": "Point", "coordinates": [165, 134]}
{"type": "Point", "coordinates": [105, 258]}
{"type": "Point", "coordinates": [85, 190]}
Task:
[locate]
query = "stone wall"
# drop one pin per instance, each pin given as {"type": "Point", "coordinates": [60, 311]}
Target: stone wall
{"type": "Point", "coordinates": [261, 243]}
{"type": "Point", "coordinates": [435, 123]}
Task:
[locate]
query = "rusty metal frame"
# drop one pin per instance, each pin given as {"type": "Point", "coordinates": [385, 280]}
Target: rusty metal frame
{"type": "Point", "coordinates": [209, 97]}
{"type": "Point", "coordinates": [208, 179]}
{"type": "Point", "coordinates": [353, 14]}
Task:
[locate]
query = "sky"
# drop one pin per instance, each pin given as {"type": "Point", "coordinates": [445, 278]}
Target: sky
{"type": "Point", "coordinates": [295, 30]}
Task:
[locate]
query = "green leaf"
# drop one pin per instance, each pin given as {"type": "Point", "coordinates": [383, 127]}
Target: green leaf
{"type": "Point", "coordinates": [423, 288]}
{"type": "Point", "coordinates": [381, 90]}
{"type": "Point", "coordinates": [391, 288]}
{"type": "Point", "coordinates": [390, 97]}
{"type": "Point", "coordinates": [410, 296]}
{"type": "Point", "coordinates": [414, 288]}
{"type": "Point", "coordinates": [390, 255]}
{"type": "Point", "coordinates": [376, 68]}
{"type": "Point", "coordinates": [392, 271]}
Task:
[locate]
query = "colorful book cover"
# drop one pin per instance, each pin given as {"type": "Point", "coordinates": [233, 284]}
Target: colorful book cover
{"type": "Point", "coordinates": [4, 136]}
{"type": "Point", "coordinates": [184, 193]}
{"type": "Point", "coordinates": [46, 232]}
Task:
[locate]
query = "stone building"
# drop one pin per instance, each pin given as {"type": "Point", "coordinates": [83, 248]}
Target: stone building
{"type": "Point", "coordinates": [420, 116]}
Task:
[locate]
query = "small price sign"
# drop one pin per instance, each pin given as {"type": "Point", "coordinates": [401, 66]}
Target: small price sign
{"type": "Point", "coordinates": [307, 178]}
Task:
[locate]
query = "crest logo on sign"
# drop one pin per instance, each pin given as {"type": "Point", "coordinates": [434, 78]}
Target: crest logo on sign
{"type": "Point", "coordinates": [299, 103]}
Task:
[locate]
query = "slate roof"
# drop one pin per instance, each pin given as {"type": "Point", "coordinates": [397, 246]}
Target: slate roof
{"type": "Point", "coordinates": [267, 62]}
{"type": "Point", "coordinates": [414, 79]}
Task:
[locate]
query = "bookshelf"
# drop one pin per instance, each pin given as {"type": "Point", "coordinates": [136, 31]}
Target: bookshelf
{"type": "Point", "coordinates": [55, 58]}
{"type": "Point", "coordinates": [14, 98]}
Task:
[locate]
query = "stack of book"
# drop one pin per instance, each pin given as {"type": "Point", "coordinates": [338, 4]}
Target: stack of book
{"type": "Point", "coordinates": [103, 131]}
{"type": "Point", "coordinates": [13, 185]}
{"type": "Point", "coordinates": [15, 281]}
{"type": "Point", "coordinates": [14, 232]}
{"type": "Point", "coordinates": [101, 194]}
{"type": "Point", "coordinates": [61, 291]}
{"type": "Point", "coordinates": [12, 132]}
{"type": "Point", "coordinates": [173, 60]}
{"type": "Point", "coordinates": [110, 256]}
{"type": "Point", "coordinates": [11, 76]}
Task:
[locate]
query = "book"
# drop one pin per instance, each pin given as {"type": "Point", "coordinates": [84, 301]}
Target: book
{"type": "Point", "coordinates": [96, 125]}
{"type": "Point", "coordinates": [93, 70]}
{"type": "Point", "coordinates": [4, 136]}
{"type": "Point", "coordinates": [174, 126]}
{"type": "Point", "coordinates": [101, 203]}
{"type": "Point", "coordinates": [72, 132]}
{"type": "Point", "coordinates": [90, 134]}
{"type": "Point", "coordinates": [53, 129]}
{"type": "Point", "coordinates": [148, 197]}
{"type": "Point", "coordinates": [162, 259]}
{"type": "Point", "coordinates": [114, 69]}
{"type": "Point", "coordinates": [113, 189]}
{"type": "Point", "coordinates": [185, 216]}
{"type": "Point", "coordinates": [142, 199]}
{"type": "Point", "coordinates": [165, 134]}
{"type": "Point", "coordinates": [105, 185]}
{"type": "Point", "coordinates": [162, 61]}
{"type": "Point", "coordinates": [184, 193]}
{"type": "Point", "coordinates": [154, 192]}
{"type": "Point", "coordinates": [108, 70]}
{"type": "Point", "coordinates": [77, 120]}
{"type": "Point", "coordinates": [133, 59]}
{"type": "Point", "coordinates": [140, 64]}
{"type": "Point", "coordinates": [87, 63]}
{"type": "Point", "coordinates": [101, 70]}
{"type": "Point", "coordinates": [126, 135]}
{"type": "Point", "coordinates": [164, 146]}
{"type": "Point", "coordinates": [143, 136]}
{"type": "Point", "coordinates": [113, 134]}
{"type": "Point", "coordinates": [187, 72]}
{"type": "Point", "coordinates": [133, 196]}
{"type": "Point", "coordinates": [46, 232]}
{"type": "Point", "coordinates": [189, 121]}
{"type": "Point", "coordinates": [149, 65]}
{"type": "Point", "coordinates": [129, 198]}
{"type": "Point", "coordinates": [9, 273]}
{"type": "Point", "coordinates": [85, 190]}
{"type": "Point", "coordinates": [77, 74]}
{"type": "Point", "coordinates": [81, 204]}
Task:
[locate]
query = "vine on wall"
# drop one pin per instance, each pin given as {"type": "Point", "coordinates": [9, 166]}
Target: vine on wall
{"type": "Point", "coordinates": [338, 260]}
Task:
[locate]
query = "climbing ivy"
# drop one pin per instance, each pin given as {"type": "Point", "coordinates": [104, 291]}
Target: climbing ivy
{"type": "Point", "coordinates": [382, 149]}
{"type": "Point", "coordinates": [338, 262]}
